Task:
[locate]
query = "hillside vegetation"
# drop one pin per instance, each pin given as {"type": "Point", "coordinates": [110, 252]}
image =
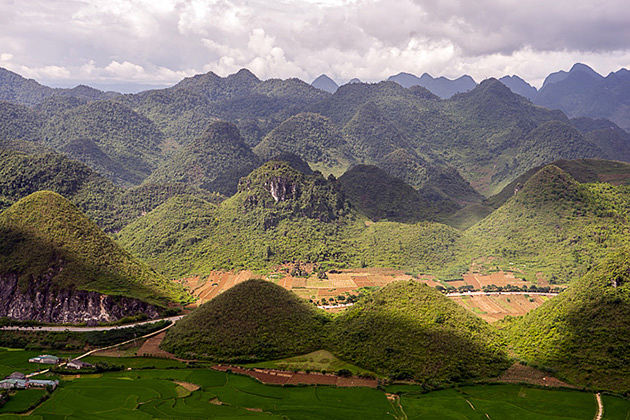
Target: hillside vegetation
{"type": "Point", "coordinates": [278, 215]}
{"type": "Point", "coordinates": [215, 161]}
{"type": "Point", "coordinates": [409, 330]}
{"type": "Point", "coordinates": [554, 225]}
{"type": "Point", "coordinates": [108, 205]}
{"type": "Point", "coordinates": [254, 320]}
{"type": "Point", "coordinates": [46, 235]}
{"type": "Point", "coordinates": [583, 334]}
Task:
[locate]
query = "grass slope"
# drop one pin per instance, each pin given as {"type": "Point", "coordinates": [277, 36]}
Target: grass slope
{"type": "Point", "coordinates": [408, 330]}
{"type": "Point", "coordinates": [381, 196]}
{"type": "Point", "coordinates": [278, 215]}
{"type": "Point", "coordinates": [214, 161]}
{"type": "Point", "coordinates": [254, 320]}
{"type": "Point", "coordinates": [553, 225]}
{"type": "Point", "coordinates": [45, 234]}
{"type": "Point", "coordinates": [583, 334]}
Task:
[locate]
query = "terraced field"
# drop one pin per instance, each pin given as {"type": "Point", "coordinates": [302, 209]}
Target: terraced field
{"type": "Point", "coordinates": [496, 307]}
{"type": "Point", "coordinates": [348, 282]}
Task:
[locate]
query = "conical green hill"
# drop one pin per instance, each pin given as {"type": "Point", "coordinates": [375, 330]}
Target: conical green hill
{"type": "Point", "coordinates": [254, 320]}
{"type": "Point", "coordinates": [44, 234]}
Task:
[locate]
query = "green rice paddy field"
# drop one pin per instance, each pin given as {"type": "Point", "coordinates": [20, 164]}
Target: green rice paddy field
{"type": "Point", "coordinates": [168, 393]}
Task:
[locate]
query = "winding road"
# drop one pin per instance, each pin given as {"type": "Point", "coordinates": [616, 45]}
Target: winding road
{"type": "Point", "coordinates": [63, 328]}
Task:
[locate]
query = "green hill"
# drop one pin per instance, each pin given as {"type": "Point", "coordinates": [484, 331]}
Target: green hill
{"type": "Point", "coordinates": [312, 137]}
{"type": "Point", "coordinates": [18, 122]}
{"type": "Point", "coordinates": [582, 170]}
{"type": "Point", "coordinates": [45, 238]}
{"type": "Point", "coordinates": [215, 161]}
{"type": "Point", "coordinates": [553, 225]}
{"type": "Point", "coordinates": [167, 236]}
{"type": "Point", "coordinates": [254, 320]}
{"type": "Point", "coordinates": [408, 330]}
{"type": "Point", "coordinates": [279, 215]}
{"type": "Point", "coordinates": [109, 137]}
{"type": "Point", "coordinates": [584, 333]}
{"type": "Point", "coordinates": [110, 206]}
{"type": "Point", "coordinates": [380, 196]}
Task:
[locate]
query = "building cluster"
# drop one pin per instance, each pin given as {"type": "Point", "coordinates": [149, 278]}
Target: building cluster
{"type": "Point", "coordinates": [18, 380]}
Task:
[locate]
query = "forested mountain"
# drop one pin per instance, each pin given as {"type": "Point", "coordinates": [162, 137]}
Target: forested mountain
{"type": "Point", "coordinates": [410, 133]}
{"type": "Point", "coordinates": [380, 196]}
{"type": "Point", "coordinates": [582, 92]}
{"type": "Point", "coordinates": [584, 333]}
{"type": "Point", "coordinates": [108, 205]}
{"type": "Point", "coordinates": [215, 161]}
{"type": "Point", "coordinates": [52, 257]}
{"type": "Point", "coordinates": [17, 89]}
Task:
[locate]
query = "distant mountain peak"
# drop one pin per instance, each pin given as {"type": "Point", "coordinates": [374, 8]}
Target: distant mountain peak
{"type": "Point", "coordinates": [244, 74]}
{"type": "Point", "coordinates": [325, 83]}
{"type": "Point", "coordinates": [580, 67]}
{"type": "Point", "coordinates": [354, 80]}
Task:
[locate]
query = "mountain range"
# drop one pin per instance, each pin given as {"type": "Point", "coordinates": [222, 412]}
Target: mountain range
{"type": "Point", "coordinates": [105, 199]}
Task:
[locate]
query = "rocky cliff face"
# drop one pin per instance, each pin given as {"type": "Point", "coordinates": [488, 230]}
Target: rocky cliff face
{"type": "Point", "coordinates": [43, 302]}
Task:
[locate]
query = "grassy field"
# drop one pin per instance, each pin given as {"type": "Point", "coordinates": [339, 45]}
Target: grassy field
{"type": "Point", "coordinates": [12, 360]}
{"type": "Point", "coordinates": [167, 393]}
{"type": "Point", "coordinates": [319, 361]}
{"type": "Point", "coordinates": [500, 402]}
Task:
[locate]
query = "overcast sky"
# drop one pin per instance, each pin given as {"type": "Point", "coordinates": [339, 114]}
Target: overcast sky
{"type": "Point", "coordinates": [129, 43]}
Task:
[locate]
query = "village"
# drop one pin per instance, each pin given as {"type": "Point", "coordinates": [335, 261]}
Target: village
{"type": "Point", "coordinates": [19, 380]}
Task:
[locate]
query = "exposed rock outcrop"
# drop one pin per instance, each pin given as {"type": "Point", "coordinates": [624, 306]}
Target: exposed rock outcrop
{"type": "Point", "coordinates": [42, 301]}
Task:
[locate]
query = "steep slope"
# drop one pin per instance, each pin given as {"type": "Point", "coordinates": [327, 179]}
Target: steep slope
{"type": "Point", "coordinates": [254, 320]}
{"type": "Point", "coordinates": [166, 235]}
{"type": "Point", "coordinates": [15, 88]}
{"type": "Point", "coordinates": [312, 137]}
{"type": "Point", "coordinates": [584, 93]}
{"type": "Point", "coordinates": [281, 214]}
{"type": "Point", "coordinates": [554, 226]}
{"type": "Point", "coordinates": [409, 330]}
{"type": "Point", "coordinates": [57, 266]}
{"type": "Point", "coordinates": [373, 136]}
{"type": "Point", "coordinates": [582, 170]}
{"type": "Point", "coordinates": [519, 86]}
{"type": "Point", "coordinates": [583, 334]}
{"type": "Point", "coordinates": [18, 123]}
{"type": "Point", "coordinates": [108, 137]}
{"type": "Point", "coordinates": [380, 196]}
{"type": "Point", "coordinates": [325, 83]}
{"type": "Point", "coordinates": [23, 174]}
{"type": "Point", "coordinates": [215, 161]}
{"type": "Point", "coordinates": [109, 206]}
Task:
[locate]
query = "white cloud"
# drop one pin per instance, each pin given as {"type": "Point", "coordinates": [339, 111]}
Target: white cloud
{"type": "Point", "coordinates": [161, 41]}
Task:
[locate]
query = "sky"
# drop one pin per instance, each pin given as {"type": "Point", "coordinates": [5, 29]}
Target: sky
{"type": "Point", "coordinates": [134, 44]}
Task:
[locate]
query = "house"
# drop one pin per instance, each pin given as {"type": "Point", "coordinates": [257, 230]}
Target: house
{"type": "Point", "coordinates": [78, 364]}
{"type": "Point", "coordinates": [14, 384]}
{"type": "Point", "coordinates": [46, 359]}
{"type": "Point", "coordinates": [16, 375]}
{"type": "Point", "coordinates": [41, 383]}
{"type": "Point", "coordinates": [27, 383]}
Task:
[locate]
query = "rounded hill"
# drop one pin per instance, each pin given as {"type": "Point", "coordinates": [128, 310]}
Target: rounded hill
{"type": "Point", "coordinates": [214, 161]}
{"type": "Point", "coordinates": [584, 333]}
{"type": "Point", "coordinates": [51, 255]}
{"type": "Point", "coordinates": [254, 320]}
{"type": "Point", "coordinates": [409, 330]}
